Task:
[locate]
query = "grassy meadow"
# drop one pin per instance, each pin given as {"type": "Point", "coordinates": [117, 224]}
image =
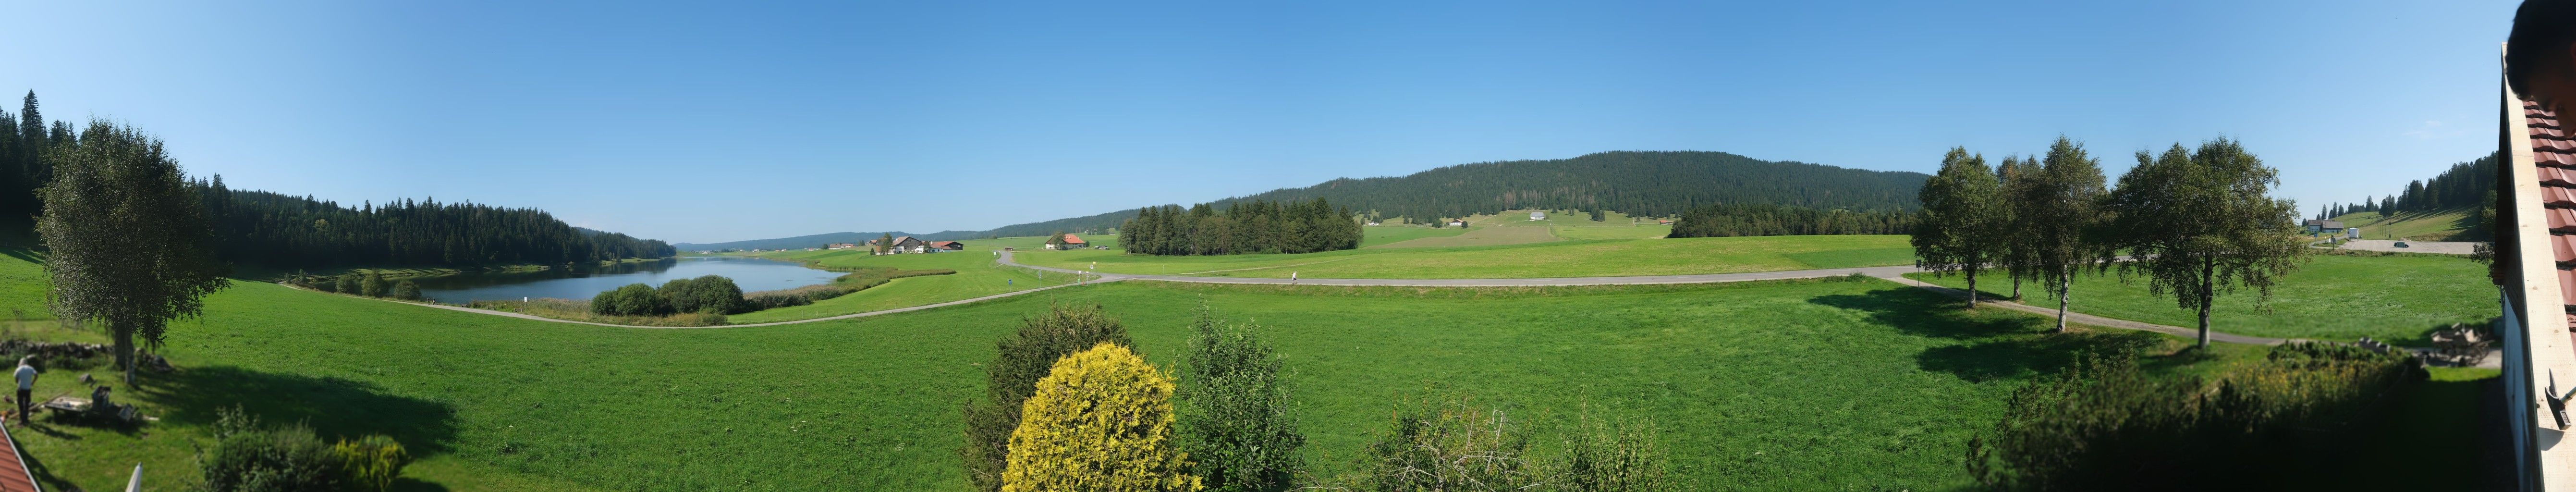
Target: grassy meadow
{"type": "Point", "coordinates": [2438, 225]}
{"type": "Point", "coordinates": [1547, 259]}
{"type": "Point", "coordinates": [977, 276]}
{"type": "Point", "coordinates": [1808, 384]}
{"type": "Point", "coordinates": [2395, 298]}
{"type": "Point", "coordinates": [1381, 236]}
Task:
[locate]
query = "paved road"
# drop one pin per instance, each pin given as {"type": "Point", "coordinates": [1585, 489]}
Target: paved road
{"type": "Point", "coordinates": [2436, 247]}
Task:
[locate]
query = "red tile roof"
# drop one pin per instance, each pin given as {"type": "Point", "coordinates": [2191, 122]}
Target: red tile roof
{"type": "Point", "coordinates": [2553, 156]}
{"type": "Point", "coordinates": [1070, 239]}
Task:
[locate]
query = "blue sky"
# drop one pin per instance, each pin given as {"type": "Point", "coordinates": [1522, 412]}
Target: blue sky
{"type": "Point", "coordinates": [702, 122]}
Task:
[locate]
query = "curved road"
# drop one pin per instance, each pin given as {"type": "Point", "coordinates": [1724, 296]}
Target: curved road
{"type": "Point", "coordinates": [1890, 273]}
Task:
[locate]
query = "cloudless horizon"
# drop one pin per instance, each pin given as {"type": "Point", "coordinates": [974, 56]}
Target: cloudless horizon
{"type": "Point", "coordinates": [720, 122]}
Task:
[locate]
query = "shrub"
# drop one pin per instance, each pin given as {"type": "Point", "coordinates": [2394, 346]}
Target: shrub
{"type": "Point", "coordinates": [371, 463]}
{"type": "Point", "coordinates": [1448, 446]}
{"type": "Point", "coordinates": [282, 459]}
{"type": "Point", "coordinates": [1605, 456]}
{"type": "Point", "coordinates": [372, 285]}
{"type": "Point", "coordinates": [1101, 420]}
{"type": "Point", "coordinates": [249, 457]}
{"type": "Point", "coordinates": [1021, 360]}
{"type": "Point", "coordinates": [1235, 413]}
{"type": "Point", "coordinates": [2104, 426]}
{"type": "Point", "coordinates": [345, 284]}
{"type": "Point", "coordinates": [709, 294]}
{"type": "Point", "coordinates": [630, 300]}
{"type": "Point", "coordinates": [406, 290]}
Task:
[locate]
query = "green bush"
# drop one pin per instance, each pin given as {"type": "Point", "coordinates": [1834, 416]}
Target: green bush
{"type": "Point", "coordinates": [249, 457]}
{"type": "Point", "coordinates": [1023, 359]}
{"type": "Point", "coordinates": [345, 284]}
{"type": "Point", "coordinates": [1605, 456]}
{"type": "Point", "coordinates": [372, 285]}
{"type": "Point", "coordinates": [371, 463]}
{"type": "Point", "coordinates": [281, 459]}
{"type": "Point", "coordinates": [2105, 426]}
{"type": "Point", "coordinates": [631, 300]}
{"type": "Point", "coordinates": [1451, 445]}
{"type": "Point", "coordinates": [1235, 410]}
{"type": "Point", "coordinates": [406, 290]}
{"type": "Point", "coordinates": [709, 294]}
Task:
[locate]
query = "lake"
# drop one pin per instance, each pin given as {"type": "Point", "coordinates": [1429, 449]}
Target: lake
{"type": "Point", "coordinates": [753, 274]}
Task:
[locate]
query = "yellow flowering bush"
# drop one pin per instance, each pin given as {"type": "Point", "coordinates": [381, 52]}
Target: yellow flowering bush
{"type": "Point", "coordinates": [1101, 420]}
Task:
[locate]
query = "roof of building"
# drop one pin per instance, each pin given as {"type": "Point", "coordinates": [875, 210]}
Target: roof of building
{"type": "Point", "coordinates": [942, 243]}
{"type": "Point", "coordinates": [906, 239]}
{"type": "Point", "coordinates": [1072, 239]}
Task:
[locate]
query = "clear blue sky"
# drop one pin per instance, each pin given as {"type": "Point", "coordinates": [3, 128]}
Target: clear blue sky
{"type": "Point", "coordinates": [704, 122]}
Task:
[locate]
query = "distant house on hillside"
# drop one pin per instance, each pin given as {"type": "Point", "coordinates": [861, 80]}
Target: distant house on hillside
{"type": "Point", "coordinates": [1664, 221]}
{"type": "Point", "coordinates": [948, 245]}
{"type": "Point", "coordinates": [1457, 223]}
{"type": "Point", "coordinates": [908, 244]}
{"type": "Point", "coordinates": [1538, 215]}
{"type": "Point", "coordinates": [2322, 225]}
{"type": "Point", "coordinates": [1067, 242]}
{"type": "Point", "coordinates": [843, 245]}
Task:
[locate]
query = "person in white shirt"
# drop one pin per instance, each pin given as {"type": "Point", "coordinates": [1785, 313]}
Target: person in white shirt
{"type": "Point", "coordinates": [26, 385]}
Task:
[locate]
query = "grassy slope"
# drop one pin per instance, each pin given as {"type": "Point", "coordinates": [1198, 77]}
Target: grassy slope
{"type": "Point", "coordinates": [1774, 385]}
{"type": "Point", "coordinates": [1554, 259]}
{"type": "Point", "coordinates": [2336, 297]}
{"type": "Point", "coordinates": [977, 276]}
{"type": "Point", "coordinates": [1482, 236]}
{"type": "Point", "coordinates": [2439, 225]}
{"type": "Point", "coordinates": [1647, 231]}
{"type": "Point", "coordinates": [1384, 235]}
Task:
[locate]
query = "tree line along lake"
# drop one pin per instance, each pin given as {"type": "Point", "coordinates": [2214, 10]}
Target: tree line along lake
{"type": "Point", "coordinates": [753, 274]}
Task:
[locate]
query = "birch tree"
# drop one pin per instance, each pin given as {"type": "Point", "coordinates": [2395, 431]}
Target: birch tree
{"type": "Point", "coordinates": [2203, 223]}
{"type": "Point", "coordinates": [1961, 226]}
{"type": "Point", "coordinates": [130, 246]}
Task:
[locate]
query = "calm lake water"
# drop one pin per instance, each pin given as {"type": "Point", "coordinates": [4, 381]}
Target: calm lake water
{"type": "Point", "coordinates": [753, 274]}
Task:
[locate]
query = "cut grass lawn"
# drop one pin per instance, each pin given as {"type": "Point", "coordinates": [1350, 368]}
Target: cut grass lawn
{"type": "Point", "coordinates": [2395, 298]}
{"type": "Point", "coordinates": [2437, 225]}
{"type": "Point", "coordinates": [1482, 236]}
{"type": "Point", "coordinates": [1551, 259]}
{"type": "Point", "coordinates": [1813, 384]}
{"type": "Point", "coordinates": [977, 276]}
{"type": "Point", "coordinates": [1647, 231]}
{"type": "Point", "coordinates": [1383, 235]}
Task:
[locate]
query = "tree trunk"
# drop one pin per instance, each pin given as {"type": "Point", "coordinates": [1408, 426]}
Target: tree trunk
{"type": "Point", "coordinates": [2208, 271]}
{"type": "Point", "coordinates": [124, 350]}
{"type": "Point", "coordinates": [2065, 290]}
{"type": "Point", "coordinates": [2016, 288]}
{"type": "Point", "coordinates": [1972, 287]}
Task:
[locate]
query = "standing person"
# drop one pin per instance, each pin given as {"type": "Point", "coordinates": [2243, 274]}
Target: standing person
{"type": "Point", "coordinates": [1292, 277]}
{"type": "Point", "coordinates": [26, 386]}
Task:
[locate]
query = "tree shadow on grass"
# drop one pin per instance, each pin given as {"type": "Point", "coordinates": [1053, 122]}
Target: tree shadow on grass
{"type": "Point", "coordinates": [1994, 343]}
{"type": "Point", "coordinates": [335, 407]}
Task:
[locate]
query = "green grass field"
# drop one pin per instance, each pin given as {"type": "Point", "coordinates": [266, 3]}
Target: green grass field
{"type": "Point", "coordinates": [1383, 235]}
{"type": "Point", "coordinates": [2398, 299]}
{"type": "Point", "coordinates": [1482, 236]}
{"type": "Point", "coordinates": [1647, 231]}
{"type": "Point", "coordinates": [977, 276]}
{"type": "Point", "coordinates": [1550, 259]}
{"type": "Point", "coordinates": [2439, 225]}
{"type": "Point", "coordinates": [1812, 384]}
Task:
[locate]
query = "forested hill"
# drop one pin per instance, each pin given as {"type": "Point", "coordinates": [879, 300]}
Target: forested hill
{"type": "Point", "coordinates": [1631, 182]}
{"type": "Point", "coordinates": [286, 231]}
{"type": "Point", "coordinates": [807, 241]}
